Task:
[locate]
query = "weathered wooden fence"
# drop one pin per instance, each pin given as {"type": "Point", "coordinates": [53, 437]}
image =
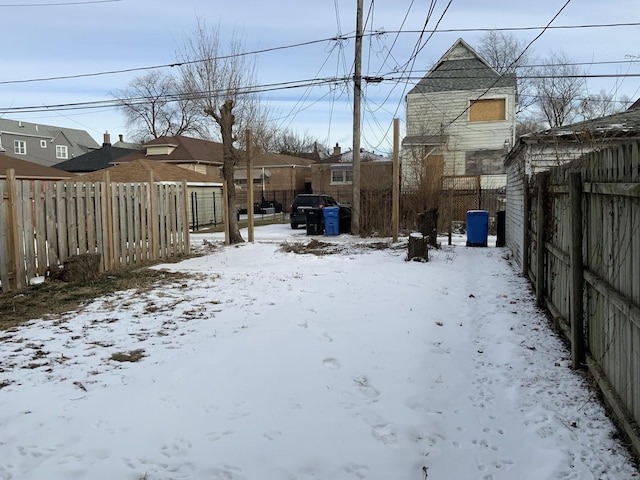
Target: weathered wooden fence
{"type": "Point", "coordinates": [42, 224]}
{"type": "Point", "coordinates": [583, 256]}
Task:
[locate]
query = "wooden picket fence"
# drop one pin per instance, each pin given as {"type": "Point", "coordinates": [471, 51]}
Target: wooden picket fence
{"type": "Point", "coordinates": [42, 224]}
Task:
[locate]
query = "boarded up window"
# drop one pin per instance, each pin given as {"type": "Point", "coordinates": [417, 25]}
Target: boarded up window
{"type": "Point", "coordinates": [489, 110]}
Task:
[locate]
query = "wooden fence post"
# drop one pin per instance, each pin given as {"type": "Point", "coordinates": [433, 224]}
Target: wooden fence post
{"type": "Point", "coordinates": [154, 230]}
{"type": "Point", "coordinates": [14, 236]}
{"type": "Point", "coordinates": [540, 236]}
{"type": "Point", "coordinates": [526, 201]}
{"type": "Point", "coordinates": [577, 273]}
{"type": "Point", "coordinates": [450, 208]}
{"type": "Point", "coordinates": [187, 236]}
{"type": "Point", "coordinates": [109, 260]}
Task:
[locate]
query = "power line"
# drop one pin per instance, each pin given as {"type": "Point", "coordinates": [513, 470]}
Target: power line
{"type": "Point", "coordinates": [338, 38]}
{"type": "Point", "coordinates": [58, 4]}
{"type": "Point", "coordinates": [517, 58]}
{"type": "Point", "coordinates": [263, 88]}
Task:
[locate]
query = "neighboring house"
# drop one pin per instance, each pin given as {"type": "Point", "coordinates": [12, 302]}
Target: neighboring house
{"type": "Point", "coordinates": [334, 174]}
{"type": "Point", "coordinates": [205, 192]}
{"type": "Point", "coordinates": [460, 121]}
{"type": "Point", "coordinates": [274, 171]}
{"type": "Point", "coordinates": [98, 159]}
{"type": "Point", "coordinates": [43, 144]}
{"type": "Point", "coordinates": [202, 156]}
{"type": "Point", "coordinates": [128, 145]}
{"type": "Point", "coordinates": [24, 170]}
{"type": "Point", "coordinates": [537, 152]}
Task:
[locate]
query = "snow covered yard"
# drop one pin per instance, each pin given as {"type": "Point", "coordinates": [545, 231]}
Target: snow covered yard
{"type": "Point", "coordinates": [270, 364]}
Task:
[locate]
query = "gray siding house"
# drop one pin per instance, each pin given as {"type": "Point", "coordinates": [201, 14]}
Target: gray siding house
{"type": "Point", "coordinates": [43, 144]}
{"type": "Point", "coordinates": [460, 120]}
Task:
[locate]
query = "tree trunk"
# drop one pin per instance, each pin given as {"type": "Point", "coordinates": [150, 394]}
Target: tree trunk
{"type": "Point", "coordinates": [418, 248]}
{"type": "Point", "coordinates": [229, 162]}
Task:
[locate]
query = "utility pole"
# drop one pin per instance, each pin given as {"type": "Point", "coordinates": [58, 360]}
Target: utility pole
{"type": "Point", "coordinates": [357, 92]}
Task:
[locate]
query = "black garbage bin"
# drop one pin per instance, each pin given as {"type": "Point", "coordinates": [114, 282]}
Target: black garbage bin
{"type": "Point", "coordinates": [313, 218]}
{"type": "Point", "coordinates": [344, 218]}
{"type": "Point", "coordinates": [501, 218]}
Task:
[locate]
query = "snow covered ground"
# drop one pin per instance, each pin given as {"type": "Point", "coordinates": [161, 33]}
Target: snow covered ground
{"type": "Point", "coordinates": [276, 365]}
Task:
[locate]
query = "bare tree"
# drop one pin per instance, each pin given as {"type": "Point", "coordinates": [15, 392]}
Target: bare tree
{"type": "Point", "coordinates": [220, 84]}
{"type": "Point", "coordinates": [528, 125]}
{"type": "Point", "coordinates": [559, 87]}
{"type": "Point", "coordinates": [507, 54]}
{"type": "Point", "coordinates": [153, 107]}
{"type": "Point", "coordinates": [291, 143]}
{"type": "Point", "coordinates": [603, 104]}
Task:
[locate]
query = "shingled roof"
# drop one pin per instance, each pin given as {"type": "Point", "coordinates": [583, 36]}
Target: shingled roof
{"type": "Point", "coordinates": [178, 149]}
{"type": "Point", "coordinates": [139, 170]}
{"type": "Point", "coordinates": [617, 125]}
{"type": "Point", "coordinates": [25, 170]}
{"type": "Point", "coordinates": [462, 68]}
{"type": "Point", "coordinates": [94, 160]}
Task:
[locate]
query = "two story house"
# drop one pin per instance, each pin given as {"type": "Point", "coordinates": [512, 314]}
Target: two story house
{"type": "Point", "coordinates": [43, 144]}
{"type": "Point", "coordinates": [460, 121]}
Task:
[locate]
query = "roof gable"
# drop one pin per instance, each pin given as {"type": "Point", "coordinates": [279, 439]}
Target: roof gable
{"type": "Point", "coordinates": [462, 68]}
{"type": "Point", "coordinates": [178, 149]}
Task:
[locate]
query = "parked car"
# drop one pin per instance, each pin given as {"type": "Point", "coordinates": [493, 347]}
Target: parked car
{"type": "Point", "coordinates": [261, 208]}
{"type": "Point", "coordinates": [305, 201]}
{"type": "Point", "coordinates": [267, 204]}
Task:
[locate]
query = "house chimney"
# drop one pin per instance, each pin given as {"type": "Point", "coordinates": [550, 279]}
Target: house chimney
{"type": "Point", "coordinates": [120, 137]}
{"type": "Point", "coordinates": [107, 139]}
{"type": "Point", "coordinates": [337, 150]}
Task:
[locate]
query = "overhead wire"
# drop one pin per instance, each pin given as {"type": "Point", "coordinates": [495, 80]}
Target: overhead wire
{"type": "Point", "coordinates": [516, 60]}
{"type": "Point", "coordinates": [57, 4]}
{"type": "Point", "coordinates": [337, 38]}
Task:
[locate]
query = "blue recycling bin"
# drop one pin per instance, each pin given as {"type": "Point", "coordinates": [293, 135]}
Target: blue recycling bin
{"type": "Point", "coordinates": [331, 220]}
{"type": "Point", "coordinates": [477, 228]}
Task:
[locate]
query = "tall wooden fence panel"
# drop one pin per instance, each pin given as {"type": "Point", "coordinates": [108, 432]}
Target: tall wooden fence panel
{"type": "Point", "coordinates": [42, 224]}
{"type": "Point", "coordinates": [586, 217]}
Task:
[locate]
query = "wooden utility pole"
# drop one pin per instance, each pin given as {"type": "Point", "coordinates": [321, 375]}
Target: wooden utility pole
{"type": "Point", "coordinates": [395, 201]}
{"type": "Point", "coordinates": [357, 92]}
{"type": "Point", "coordinates": [250, 187]}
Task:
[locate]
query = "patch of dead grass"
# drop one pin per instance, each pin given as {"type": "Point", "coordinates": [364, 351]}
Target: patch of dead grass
{"type": "Point", "coordinates": [130, 356]}
{"type": "Point", "coordinates": [53, 298]}
{"type": "Point", "coordinates": [318, 247]}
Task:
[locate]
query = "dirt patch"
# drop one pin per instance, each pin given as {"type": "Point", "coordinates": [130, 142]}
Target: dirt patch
{"type": "Point", "coordinates": [131, 356]}
{"type": "Point", "coordinates": [53, 298]}
{"type": "Point", "coordinates": [314, 247]}
{"type": "Point", "coordinates": [318, 247]}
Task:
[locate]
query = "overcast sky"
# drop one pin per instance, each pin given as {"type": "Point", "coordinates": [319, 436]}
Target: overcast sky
{"type": "Point", "coordinates": [43, 40]}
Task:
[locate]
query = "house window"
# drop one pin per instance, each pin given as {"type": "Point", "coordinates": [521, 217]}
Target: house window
{"type": "Point", "coordinates": [242, 182]}
{"type": "Point", "coordinates": [43, 144]}
{"type": "Point", "coordinates": [487, 110]}
{"type": "Point", "coordinates": [341, 176]}
{"type": "Point", "coordinates": [19, 147]}
{"type": "Point", "coordinates": [61, 151]}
